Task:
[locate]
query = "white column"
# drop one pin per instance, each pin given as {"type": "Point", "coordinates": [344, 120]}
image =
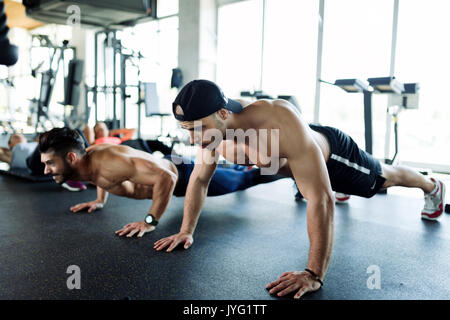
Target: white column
{"type": "Point", "coordinates": [319, 60]}
{"type": "Point", "coordinates": [197, 44]}
{"type": "Point", "coordinates": [387, 136]}
{"type": "Point", "coordinates": [79, 38]}
{"type": "Point", "coordinates": [208, 40]}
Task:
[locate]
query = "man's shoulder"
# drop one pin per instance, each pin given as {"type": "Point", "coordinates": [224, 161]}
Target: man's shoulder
{"type": "Point", "coordinates": [120, 153]}
{"type": "Point", "coordinates": [110, 159]}
{"type": "Point", "coordinates": [272, 110]}
{"type": "Point", "coordinates": [274, 104]}
{"type": "Point", "coordinates": [104, 153]}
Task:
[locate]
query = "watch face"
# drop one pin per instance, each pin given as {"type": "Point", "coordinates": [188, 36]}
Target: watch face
{"type": "Point", "coordinates": [149, 219]}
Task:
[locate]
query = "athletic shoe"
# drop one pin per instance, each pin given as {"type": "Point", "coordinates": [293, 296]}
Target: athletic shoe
{"type": "Point", "coordinates": [74, 185]}
{"type": "Point", "coordinates": [341, 197]}
{"type": "Point", "coordinates": [434, 202]}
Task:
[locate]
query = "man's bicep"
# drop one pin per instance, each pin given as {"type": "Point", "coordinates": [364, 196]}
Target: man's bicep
{"type": "Point", "coordinates": [146, 172]}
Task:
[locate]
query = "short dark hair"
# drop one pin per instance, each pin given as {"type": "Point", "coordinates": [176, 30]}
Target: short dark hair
{"type": "Point", "coordinates": [61, 141]}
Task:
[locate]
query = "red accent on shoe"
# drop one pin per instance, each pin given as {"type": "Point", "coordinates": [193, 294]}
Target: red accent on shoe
{"type": "Point", "coordinates": [435, 214]}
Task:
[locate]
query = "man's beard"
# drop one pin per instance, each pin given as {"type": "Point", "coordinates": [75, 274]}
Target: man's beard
{"type": "Point", "coordinates": [66, 174]}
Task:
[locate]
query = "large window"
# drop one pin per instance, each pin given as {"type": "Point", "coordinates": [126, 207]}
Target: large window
{"type": "Point", "coordinates": [290, 41]}
{"type": "Point", "coordinates": [271, 49]}
{"type": "Point", "coordinates": [356, 44]}
{"type": "Point", "coordinates": [15, 105]}
{"type": "Point", "coordinates": [423, 52]}
{"type": "Point", "coordinates": [158, 43]}
{"type": "Point", "coordinates": [166, 8]}
{"type": "Point", "coordinates": [239, 47]}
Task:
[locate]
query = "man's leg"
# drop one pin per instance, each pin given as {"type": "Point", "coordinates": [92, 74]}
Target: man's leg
{"type": "Point", "coordinates": [434, 190]}
{"type": "Point", "coordinates": [224, 180]}
{"type": "Point", "coordinates": [403, 176]}
{"type": "Point", "coordinates": [227, 180]}
{"type": "Point", "coordinates": [354, 171]}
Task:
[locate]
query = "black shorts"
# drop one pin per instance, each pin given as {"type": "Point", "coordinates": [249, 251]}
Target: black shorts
{"type": "Point", "coordinates": [351, 170]}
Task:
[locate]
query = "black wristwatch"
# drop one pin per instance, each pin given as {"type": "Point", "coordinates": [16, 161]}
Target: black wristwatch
{"type": "Point", "coordinates": [150, 219]}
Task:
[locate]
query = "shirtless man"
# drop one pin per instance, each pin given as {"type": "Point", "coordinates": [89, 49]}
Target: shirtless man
{"type": "Point", "coordinates": [320, 159]}
{"type": "Point", "coordinates": [128, 172]}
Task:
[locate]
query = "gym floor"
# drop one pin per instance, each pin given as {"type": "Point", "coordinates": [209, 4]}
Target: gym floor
{"type": "Point", "coordinates": [243, 241]}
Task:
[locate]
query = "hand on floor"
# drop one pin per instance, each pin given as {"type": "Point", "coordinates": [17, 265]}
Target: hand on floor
{"type": "Point", "coordinates": [91, 206]}
{"type": "Point", "coordinates": [132, 228]}
{"type": "Point", "coordinates": [173, 241]}
{"type": "Point", "coordinates": [292, 281]}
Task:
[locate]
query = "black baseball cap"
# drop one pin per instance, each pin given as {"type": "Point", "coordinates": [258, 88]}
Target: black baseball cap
{"type": "Point", "coordinates": [200, 98]}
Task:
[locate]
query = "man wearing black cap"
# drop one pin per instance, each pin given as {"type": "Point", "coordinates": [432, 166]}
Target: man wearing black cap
{"type": "Point", "coordinates": [320, 159]}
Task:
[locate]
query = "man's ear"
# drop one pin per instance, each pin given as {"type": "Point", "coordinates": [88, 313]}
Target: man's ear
{"type": "Point", "coordinates": [223, 113]}
{"type": "Point", "coordinates": [179, 110]}
{"type": "Point", "coordinates": [71, 157]}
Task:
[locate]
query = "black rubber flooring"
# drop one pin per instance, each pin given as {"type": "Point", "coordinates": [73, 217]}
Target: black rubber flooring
{"type": "Point", "coordinates": [243, 241]}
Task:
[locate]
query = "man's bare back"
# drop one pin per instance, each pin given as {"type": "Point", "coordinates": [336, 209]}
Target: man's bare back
{"type": "Point", "coordinates": [281, 114]}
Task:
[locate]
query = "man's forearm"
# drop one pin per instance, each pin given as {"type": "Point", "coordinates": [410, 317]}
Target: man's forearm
{"type": "Point", "coordinates": [162, 193]}
{"type": "Point", "coordinates": [102, 195]}
{"type": "Point", "coordinates": [193, 203]}
{"type": "Point", "coordinates": [159, 206]}
{"type": "Point", "coordinates": [320, 220]}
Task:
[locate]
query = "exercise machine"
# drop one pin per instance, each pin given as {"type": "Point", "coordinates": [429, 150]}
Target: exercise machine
{"type": "Point", "coordinates": [56, 60]}
{"type": "Point", "coordinates": [402, 96]}
{"type": "Point", "coordinates": [106, 83]}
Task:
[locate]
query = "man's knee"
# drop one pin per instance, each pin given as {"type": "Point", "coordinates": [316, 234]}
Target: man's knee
{"type": "Point", "coordinates": [392, 174]}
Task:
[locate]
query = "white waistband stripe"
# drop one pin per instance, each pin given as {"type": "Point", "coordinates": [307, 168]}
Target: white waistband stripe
{"type": "Point", "coordinates": [350, 164]}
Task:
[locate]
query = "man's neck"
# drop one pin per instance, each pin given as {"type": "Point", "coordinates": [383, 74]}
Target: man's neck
{"type": "Point", "coordinates": [83, 172]}
{"type": "Point", "coordinates": [237, 121]}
